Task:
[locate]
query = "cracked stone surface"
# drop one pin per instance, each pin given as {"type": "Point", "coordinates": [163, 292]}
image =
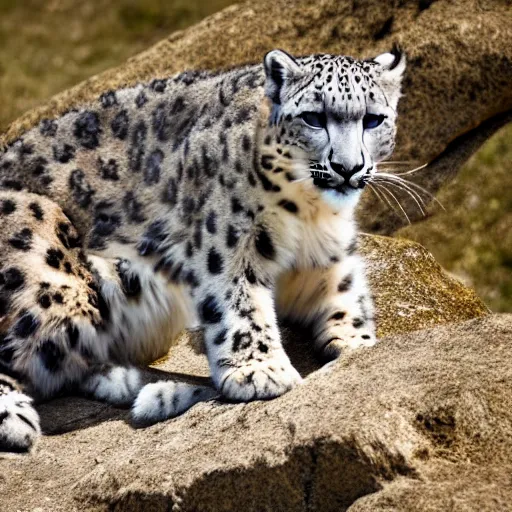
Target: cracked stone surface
{"type": "Point", "coordinates": [422, 421]}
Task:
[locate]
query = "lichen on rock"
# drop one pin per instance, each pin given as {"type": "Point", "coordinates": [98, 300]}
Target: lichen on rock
{"type": "Point", "coordinates": [411, 290]}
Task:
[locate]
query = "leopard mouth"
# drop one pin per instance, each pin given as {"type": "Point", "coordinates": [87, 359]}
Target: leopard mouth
{"type": "Point", "coordinates": [325, 181]}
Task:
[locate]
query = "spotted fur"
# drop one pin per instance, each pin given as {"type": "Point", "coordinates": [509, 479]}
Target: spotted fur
{"type": "Point", "coordinates": [225, 199]}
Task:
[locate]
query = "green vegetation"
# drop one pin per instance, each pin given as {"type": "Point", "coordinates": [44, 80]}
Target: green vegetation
{"type": "Point", "coordinates": [49, 45]}
{"type": "Point", "coordinates": [473, 237]}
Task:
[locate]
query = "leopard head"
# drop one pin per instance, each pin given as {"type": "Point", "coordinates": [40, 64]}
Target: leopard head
{"type": "Point", "coordinates": [338, 111]}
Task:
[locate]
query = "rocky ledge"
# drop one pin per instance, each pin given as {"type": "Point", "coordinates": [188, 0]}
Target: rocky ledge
{"type": "Point", "coordinates": [419, 422]}
{"type": "Point", "coordinates": [421, 418]}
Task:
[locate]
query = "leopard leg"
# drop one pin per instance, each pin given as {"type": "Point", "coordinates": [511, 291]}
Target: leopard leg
{"type": "Point", "coordinates": [138, 300]}
{"type": "Point", "coordinates": [242, 338]}
{"type": "Point", "coordinates": [244, 350]}
{"type": "Point", "coordinates": [165, 399]}
{"type": "Point", "coordinates": [56, 319]}
{"type": "Point", "coordinates": [69, 320]}
{"type": "Point", "coordinates": [334, 302]}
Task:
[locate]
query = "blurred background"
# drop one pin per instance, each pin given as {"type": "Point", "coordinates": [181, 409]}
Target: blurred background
{"type": "Point", "coordinates": [47, 46]}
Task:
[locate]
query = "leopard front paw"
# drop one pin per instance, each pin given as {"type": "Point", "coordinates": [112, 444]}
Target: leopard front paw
{"type": "Point", "coordinates": [334, 347]}
{"type": "Point", "coordinates": [259, 380]}
{"type": "Point", "coordinates": [19, 423]}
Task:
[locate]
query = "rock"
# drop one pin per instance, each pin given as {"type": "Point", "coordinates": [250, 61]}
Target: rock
{"type": "Point", "coordinates": [472, 238]}
{"type": "Point", "coordinates": [411, 289]}
{"type": "Point", "coordinates": [458, 80]}
{"type": "Point", "coordinates": [422, 421]}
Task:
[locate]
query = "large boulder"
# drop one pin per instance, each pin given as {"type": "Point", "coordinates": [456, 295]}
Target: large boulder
{"type": "Point", "coordinates": [276, 455]}
{"type": "Point", "coordinates": [422, 421]}
{"type": "Point", "coordinates": [457, 89]}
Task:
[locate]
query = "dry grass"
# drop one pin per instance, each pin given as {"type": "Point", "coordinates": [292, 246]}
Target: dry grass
{"type": "Point", "coordinates": [48, 45]}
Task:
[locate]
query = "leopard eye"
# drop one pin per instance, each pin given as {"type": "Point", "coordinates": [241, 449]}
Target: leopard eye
{"type": "Point", "coordinates": [372, 121]}
{"type": "Point", "coordinates": [314, 119]}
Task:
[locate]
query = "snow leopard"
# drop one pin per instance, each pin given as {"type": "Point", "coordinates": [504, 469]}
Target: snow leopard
{"type": "Point", "coordinates": [218, 199]}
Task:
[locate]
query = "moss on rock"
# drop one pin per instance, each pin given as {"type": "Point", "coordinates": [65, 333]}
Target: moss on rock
{"type": "Point", "coordinates": [411, 290]}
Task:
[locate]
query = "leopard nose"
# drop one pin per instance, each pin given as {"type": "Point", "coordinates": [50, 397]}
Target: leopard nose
{"type": "Point", "coordinates": [346, 174]}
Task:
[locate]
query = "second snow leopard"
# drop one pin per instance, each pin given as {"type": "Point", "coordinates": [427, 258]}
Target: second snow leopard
{"type": "Point", "coordinates": [225, 199]}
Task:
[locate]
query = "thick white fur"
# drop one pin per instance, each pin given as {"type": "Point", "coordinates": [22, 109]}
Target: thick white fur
{"type": "Point", "coordinates": [150, 324]}
{"type": "Point", "coordinates": [19, 422]}
{"type": "Point", "coordinates": [165, 399]}
{"type": "Point", "coordinates": [118, 385]}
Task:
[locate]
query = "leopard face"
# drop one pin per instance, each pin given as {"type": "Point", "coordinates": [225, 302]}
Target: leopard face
{"type": "Point", "coordinates": [338, 111]}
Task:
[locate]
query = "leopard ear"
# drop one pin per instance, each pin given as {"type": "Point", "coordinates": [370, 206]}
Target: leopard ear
{"type": "Point", "coordinates": [393, 66]}
{"type": "Point", "coordinates": [280, 67]}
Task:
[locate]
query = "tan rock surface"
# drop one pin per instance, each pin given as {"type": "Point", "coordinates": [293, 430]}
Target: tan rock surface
{"type": "Point", "coordinates": [411, 289]}
{"type": "Point", "coordinates": [420, 422]}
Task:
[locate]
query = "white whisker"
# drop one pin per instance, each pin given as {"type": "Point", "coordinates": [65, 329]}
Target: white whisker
{"type": "Point", "coordinates": [411, 193]}
{"type": "Point", "coordinates": [380, 196]}
{"type": "Point", "coordinates": [397, 202]}
{"type": "Point", "coordinates": [396, 178]}
{"type": "Point", "coordinates": [383, 198]}
{"type": "Point", "coordinates": [412, 171]}
{"type": "Point", "coordinates": [396, 162]}
{"type": "Point", "coordinates": [406, 185]}
{"type": "Point", "coordinates": [299, 180]}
